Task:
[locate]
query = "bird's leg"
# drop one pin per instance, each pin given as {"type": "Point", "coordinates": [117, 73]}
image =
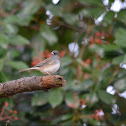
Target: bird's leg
{"type": "Point", "coordinates": [46, 90]}
{"type": "Point", "coordinates": [48, 73]}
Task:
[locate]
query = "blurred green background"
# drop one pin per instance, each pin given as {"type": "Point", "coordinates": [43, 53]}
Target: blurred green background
{"type": "Point", "coordinates": [91, 38]}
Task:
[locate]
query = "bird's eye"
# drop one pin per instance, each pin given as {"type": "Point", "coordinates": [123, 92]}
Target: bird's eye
{"type": "Point", "coordinates": [54, 53]}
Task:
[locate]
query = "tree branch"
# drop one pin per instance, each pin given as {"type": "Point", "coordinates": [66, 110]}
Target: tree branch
{"type": "Point", "coordinates": [28, 84]}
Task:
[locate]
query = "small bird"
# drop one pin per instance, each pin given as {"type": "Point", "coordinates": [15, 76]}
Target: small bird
{"type": "Point", "coordinates": [48, 66]}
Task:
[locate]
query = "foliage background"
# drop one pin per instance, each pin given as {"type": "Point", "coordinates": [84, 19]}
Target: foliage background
{"type": "Point", "coordinates": [91, 55]}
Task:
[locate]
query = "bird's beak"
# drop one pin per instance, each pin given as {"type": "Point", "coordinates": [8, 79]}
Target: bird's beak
{"type": "Point", "coordinates": [52, 53]}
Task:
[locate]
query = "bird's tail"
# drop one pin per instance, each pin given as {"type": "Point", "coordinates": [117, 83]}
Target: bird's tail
{"type": "Point", "coordinates": [33, 68]}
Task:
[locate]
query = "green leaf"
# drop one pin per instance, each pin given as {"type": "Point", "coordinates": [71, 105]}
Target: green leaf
{"type": "Point", "coordinates": [24, 16]}
{"type": "Point", "coordinates": [91, 97]}
{"type": "Point", "coordinates": [91, 2]}
{"type": "Point", "coordinates": [71, 100]}
{"type": "Point", "coordinates": [19, 40]}
{"type": "Point", "coordinates": [124, 58]}
{"type": "Point", "coordinates": [121, 16]}
{"type": "Point", "coordinates": [13, 19]}
{"type": "Point", "coordinates": [3, 39]}
{"type": "Point", "coordinates": [64, 3]}
{"type": "Point", "coordinates": [117, 60]}
{"type": "Point", "coordinates": [97, 49]}
{"type": "Point", "coordinates": [120, 38]}
{"type": "Point", "coordinates": [55, 10]}
{"type": "Point", "coordinates": [108, 18]}
{"type": "Point", "coordinates": [111, 2]}
{"type": "Point", "coordinates": [120, 85]}
{"type": "Point", "coordinates": [48, 34]}
{"type": "Point", "coordinates": [55, 97]}
{"type": "Point", "coordinates": [106, 97]}
{"type": "Point", "coordinates": [85, 12]}
{"type": "Point", "coordinates": [30, 7]}
{"type": "Point", "coordinates": [1, 64]}
{"type": "Point", "coordinates": [17, 65]}
{"type": "Point", "coordinates": [40, 98]}
{"type": "Point", "coordinates": [13, 53]}
{"type": "Point", "coordinates": [96, 12]}
{"type": "Point", "coordinates": [87, 84]}
{"type": "Point", "coordinates": [10, 29]}
{"type": "Point", "coordinates": [4, 77]}
{"type": "Point", "coordinates": [19, 19]}
{"type": "Point", "coordinates": [111, 47]}
{"type": "Point", "coordinates": [65, 117]}
{"type": "Point", "coordinates": [70, 18]}
{"type": "Point", "coordinates": [65, 61]}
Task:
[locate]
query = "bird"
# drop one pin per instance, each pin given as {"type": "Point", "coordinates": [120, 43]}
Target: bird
{"type": "Point", "coordinates": [48, 66]}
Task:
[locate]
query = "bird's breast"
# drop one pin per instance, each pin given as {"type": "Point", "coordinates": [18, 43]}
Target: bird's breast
{"type": "Point", "coordinates": [51, 69]}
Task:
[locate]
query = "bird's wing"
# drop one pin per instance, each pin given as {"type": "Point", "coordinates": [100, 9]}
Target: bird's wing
{"type": "Point", "coordinates": [44, 62]}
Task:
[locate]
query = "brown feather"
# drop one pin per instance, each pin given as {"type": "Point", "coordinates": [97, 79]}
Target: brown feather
{"type": "Point", "coordinates": [33, 68]}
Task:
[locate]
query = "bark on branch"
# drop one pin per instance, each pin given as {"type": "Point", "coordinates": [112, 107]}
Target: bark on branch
{"type": "Point", "coordinates": [28, 84]}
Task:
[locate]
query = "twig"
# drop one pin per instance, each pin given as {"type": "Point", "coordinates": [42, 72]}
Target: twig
{"type": "Point", "coordinates": [78, 29]}
{"type": "Point", "coordinates": [7, 117]}
{"type": "Point", "coordinates": [113, 75]}
{"type": "Point", "coordinates": [2, 111]}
